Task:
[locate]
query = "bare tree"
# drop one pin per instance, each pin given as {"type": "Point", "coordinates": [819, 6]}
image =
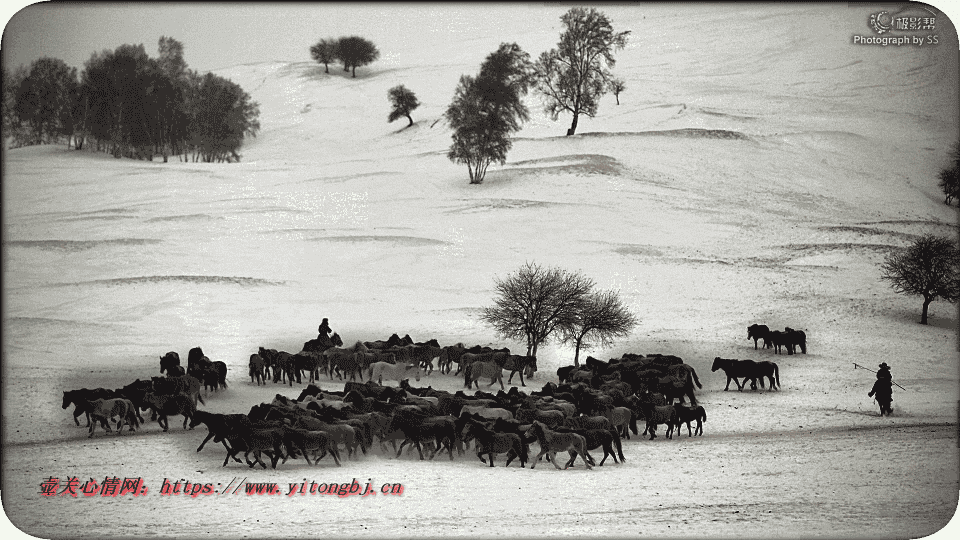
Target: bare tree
{"type": "Point", "coordinates": [617, 86]}
{"type": "Point", "coordinates": [534, 302]}
{"type": "Point", "coordinates": [929, 268]}
{"type": "Point", "coordinates": [575, 75]}
{"type": "Point", "coordinates": [602, 317]}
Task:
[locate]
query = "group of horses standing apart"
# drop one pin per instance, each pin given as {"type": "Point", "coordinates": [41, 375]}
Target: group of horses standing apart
{"type": "Point", "coordinates": [765, 370]}
{"type": "Point", "coordinates": [787, 340]}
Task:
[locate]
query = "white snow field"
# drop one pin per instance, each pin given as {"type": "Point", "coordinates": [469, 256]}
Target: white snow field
{"type": "Point", "coordinates": [758, 169]}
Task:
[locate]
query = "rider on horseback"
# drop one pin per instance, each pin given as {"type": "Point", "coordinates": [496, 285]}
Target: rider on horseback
{"type": "Point", "coordinates": [324, 332]}
{"type": "Point", "coordinates": [883, 388]}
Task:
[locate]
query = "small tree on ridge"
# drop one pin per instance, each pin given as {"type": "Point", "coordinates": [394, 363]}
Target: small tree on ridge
{"type": "Point", "coordinates": [929, 268]}
{"type": "Point", "coordinates": [325, 52]}
{"type": "Point", "coordinates": [575, 75]}
{"type": "Point", "coordinates": [355, 51]}
{"type": "Point", "coordinates": [487, 108]}
{"type": "Point", "coordinates": [403, 101]}
{"type": "Point", "coordinates": [950, 177]}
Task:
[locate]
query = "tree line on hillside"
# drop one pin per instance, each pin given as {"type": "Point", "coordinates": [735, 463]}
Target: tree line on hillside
{"type": "Point", "coordinates": [130, 105]}
{"type": "Point", "coordinates": [487, 109]}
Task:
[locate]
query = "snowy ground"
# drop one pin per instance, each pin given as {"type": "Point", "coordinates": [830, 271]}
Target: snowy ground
{"type": "Point", "coordinates": [756, 171]}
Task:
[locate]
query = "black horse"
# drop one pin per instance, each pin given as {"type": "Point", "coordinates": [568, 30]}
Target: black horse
{"type": "Point", "coordinates": [757, 332]}
{"type": "Point", "coordinates": [82, 398]}
{"type": "Point", "coordinates": [516, 363]}
{"type": "Point", "coordinates": [685, 415]}
{"type": "Point", "coordinates": [789, 340]}
{"type": "Point", "coordinates": [170, 363]}
{"type": "Point", "coordinates": [491, 442]}
{"type": "Point", "coordinates": [796, 338]}
{"type": "Point", "coordinates": [419, 428]}
{"type": "Point", "coordinates": [747, 369]}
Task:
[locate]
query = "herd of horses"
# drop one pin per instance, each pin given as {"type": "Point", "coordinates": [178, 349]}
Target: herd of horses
{"type": "Point", "coordinates": [787, 340]}
{"type": "Point", "coordinates": [593, 406]}
{"type": "Point", "coordinates": [393, 359]}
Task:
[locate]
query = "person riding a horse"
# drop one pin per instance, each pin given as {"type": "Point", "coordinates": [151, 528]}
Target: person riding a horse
{"type": "Point", "coordinates": [324, 331]}
{"type": "Point", "coordinates": [883, 388]}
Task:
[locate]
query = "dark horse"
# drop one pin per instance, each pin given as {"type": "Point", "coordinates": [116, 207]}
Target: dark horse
{"type": "Point", "coordinates": [516, 363]}
{"type": "Point", "coordinates": [796, 338]}
{"type": "Point", "coordinates": [789, 339]}
{"type": "Point", "coordinates": [747, 369]}
{"type": "Point", "coordinates": [170, 363]}
{"type": "Point", "coordinates": [757, 332]}
{"type": "Point", "coordinates": [491, 442]}
{"type": "Point", "coordinates": [82, 398]}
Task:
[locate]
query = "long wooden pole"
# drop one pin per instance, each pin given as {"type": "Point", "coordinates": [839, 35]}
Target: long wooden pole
{"type": "Point", "coordinates": [856, 365]}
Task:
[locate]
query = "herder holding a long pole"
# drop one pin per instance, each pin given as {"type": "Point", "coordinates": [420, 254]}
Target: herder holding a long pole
{"type": "Point", "coordinates": [882, 388]}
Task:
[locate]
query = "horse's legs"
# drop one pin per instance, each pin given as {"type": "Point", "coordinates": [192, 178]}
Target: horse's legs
{"type": "Point", "coordinates": [511, 455]}
{"type": "Point", "coordinates": [587, 458]}
{"type": "Point", "coordinates": [539, 456]}
{"type": "Point", "coordinates": [607, 451]}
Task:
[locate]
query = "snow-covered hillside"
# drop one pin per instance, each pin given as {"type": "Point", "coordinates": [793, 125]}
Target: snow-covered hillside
{"type": "Point", "coordinates": [758, 169]}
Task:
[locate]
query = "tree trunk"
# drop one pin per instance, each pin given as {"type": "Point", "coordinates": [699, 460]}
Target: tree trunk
{"type": "Point", "coordinates": [410, 118]}
{"type": "Point", "coordinates": [573, 126]}
{"type": "Point", "coordinates": [576, 352]}
{"type": "Point", "coordinates": [354, 72]}
{"type": "Point", "coordinates": [923, 314]}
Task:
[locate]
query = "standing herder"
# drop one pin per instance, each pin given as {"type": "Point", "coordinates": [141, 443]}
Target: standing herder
{"type": "Point", "coordinates": [883, 388]}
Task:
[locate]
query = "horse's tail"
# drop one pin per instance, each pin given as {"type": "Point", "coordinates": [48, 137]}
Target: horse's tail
{"type": "Point", "coordinates": [703, 414]}
{"type": "Point", "coordinates": [199, 397]}
{"type": "Point", "coordinates": [696, 380]}
{"type": "Point", "coordinates": [776, 374]}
